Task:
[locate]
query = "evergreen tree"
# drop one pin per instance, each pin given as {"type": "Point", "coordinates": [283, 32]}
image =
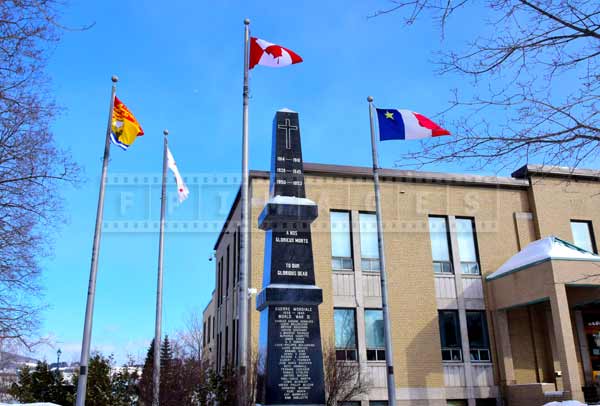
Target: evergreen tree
{"type": "Point", "coordinates": [168, 382]}
{"type": "Point", "coordinates": [99, 388]}
{"type": "Point", "coordinates": [145, 383]}
{"type": "Point", "coordinates": [42, 385]}
{"type": "Point", "coordinates": [183, 379]}
{"type": "Point", "coordinates": [223, 386]}
{"type": "Point", "coordinates": [22, 390]}
{"type": "Point", "coordinates": [124, 387]}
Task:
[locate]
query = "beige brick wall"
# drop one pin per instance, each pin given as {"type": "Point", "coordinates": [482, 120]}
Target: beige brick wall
{"type": "Point", "coordinates": [525, 347]}
{"type": "Point", "coordinates": [557, 201]}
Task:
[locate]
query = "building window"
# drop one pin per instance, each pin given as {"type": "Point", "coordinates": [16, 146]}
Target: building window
{"type": "Point", "coordinates": [204, 334]}
{"type": "Point", "coordinates": [479, 342]}
{"type": "Point", "coordinates": [350, 403]}
{"type": "Point", "coordinates": [220, 284]}
{"type": "Point", "coordinates": [345, 334]}
{"type": "Point", "coordinates": [234, 256]}
{"type": "Point", "coordinates": [227, 273]}
{"type": "Point", "coordinates": [375, 336]}
{"type": "Point", "coordinates": [450, 336]}
{"type": "Point", "coordinates": [378, 403]}
{"type": "Point", "coordinates": [238, 254]}
{"type": "Point", "coordinates": [234, 343]}
{"type": "Point", "coordinates": [369, 247]}
{"type": "Point", "coordinates": [226, 346]}
{"type": "Point", "coordinates": [236, 333]}
{"type": "Point", "coordinates": [209, 331]}
{"type": "Point", "coordinates": [219, 345]}
{"type": "Point", "coordinates": [485, 402]}
{"type": "Point", "coordinates": [341, 241]}
{"type": "Point", "coordinates": [583, 235]}
{"type": "Point", "coordinates": [440, 245]}
{"type": "Point", "coordinates": [467, 246]}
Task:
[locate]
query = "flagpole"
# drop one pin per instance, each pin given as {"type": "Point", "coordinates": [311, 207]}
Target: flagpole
{"type": "Point", "coordinates": [389, 355]}
{"type": "Point", "coordinates": [245, 240]}
{"type": "Point", "coordinates": [159, 281]}
{"type": "Point", "coordinates": [89, 308]}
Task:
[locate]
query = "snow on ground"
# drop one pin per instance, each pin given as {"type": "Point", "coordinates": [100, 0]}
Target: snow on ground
{"type": "Point", "coordinates": [29, 404]}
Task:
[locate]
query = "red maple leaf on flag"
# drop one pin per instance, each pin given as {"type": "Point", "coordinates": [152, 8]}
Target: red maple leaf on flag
{"type": "Point", "coordinates": [265, 53]}
{"type": "Point", "coordinates": [274, 50]}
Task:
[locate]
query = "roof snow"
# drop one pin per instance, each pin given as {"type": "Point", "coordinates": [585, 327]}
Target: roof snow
{"type": "Point", "coordinates": [546, 249]}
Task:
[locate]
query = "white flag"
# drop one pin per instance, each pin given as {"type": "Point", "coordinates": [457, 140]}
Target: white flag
{"type": "Point", "coordinates": [182, 190]}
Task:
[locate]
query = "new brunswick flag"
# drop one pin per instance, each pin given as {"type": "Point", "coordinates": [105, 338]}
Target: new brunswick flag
{"type": "Point", "coordinates": [125, 128]}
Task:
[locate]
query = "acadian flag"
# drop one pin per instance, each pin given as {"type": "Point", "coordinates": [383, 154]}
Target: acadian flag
{"type": "Point", "coordinates": [406, 125]}
{"type": "Point", "coordinates": [125, 127]}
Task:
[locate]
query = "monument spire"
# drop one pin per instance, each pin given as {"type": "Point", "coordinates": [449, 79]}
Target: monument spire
{"type": "Point", "coordinates": [290, 352]}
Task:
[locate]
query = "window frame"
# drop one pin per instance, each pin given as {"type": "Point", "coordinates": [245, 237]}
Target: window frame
{"type": "Point", "coordinates": [476, 247]}
{"type": "Point", "coordinates": [342, 354]}
{"type": "Point", "coordinates": [220, 284]}
{"type": "Point", "coordinates": [379, 352]}
{"type": "Point", "coordinates": [451, 350]}
{"type": "Point", "coordinates": [343, 261]}
{"type": "Point", "coordinates": [480, 349]}
{"type": "Point", "coordinates": [590, 228]}
{"type": "Point", "coordinates": [369, 264]}
{"type": "Point", "coordinates": [227, 272]}
{"type": "Point", "coordinates": [449, 244]}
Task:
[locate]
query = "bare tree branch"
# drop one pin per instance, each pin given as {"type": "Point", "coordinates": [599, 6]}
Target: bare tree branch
{"type": "Point", "coordinates": [32, 167]}
{"type": "Point", "coordinates": [344, 380]}
{"type": "Point", "coordinates": [518, 107]}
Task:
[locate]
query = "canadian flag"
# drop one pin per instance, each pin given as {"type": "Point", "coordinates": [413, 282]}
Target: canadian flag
{"type": "Point", "coordinates": [267, 54]}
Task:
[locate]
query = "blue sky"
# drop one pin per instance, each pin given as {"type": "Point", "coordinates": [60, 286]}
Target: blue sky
{"type": "Point", "coordinates": [180, 67]}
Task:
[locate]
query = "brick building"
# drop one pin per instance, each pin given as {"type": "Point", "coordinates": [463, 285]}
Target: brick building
{"type": "Point", "coordinates": [478, 315]}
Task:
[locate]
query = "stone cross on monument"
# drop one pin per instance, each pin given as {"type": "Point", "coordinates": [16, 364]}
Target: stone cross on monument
{"type": "Point", "coordinates": [288, 132]}
{"type": "Point", "coordinates": [290, 354]}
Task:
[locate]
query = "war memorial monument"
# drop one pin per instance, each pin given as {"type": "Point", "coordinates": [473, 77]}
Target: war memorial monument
{"type": "Point", "coordinates": [291, 359]}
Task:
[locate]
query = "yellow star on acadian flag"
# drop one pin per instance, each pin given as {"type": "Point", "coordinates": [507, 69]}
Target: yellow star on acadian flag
{"type": "Point", "coordinates": [389, 115]}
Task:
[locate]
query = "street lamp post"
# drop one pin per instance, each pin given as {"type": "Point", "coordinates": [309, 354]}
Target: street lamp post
{"type": "Point", "coordinates": [58, 353]}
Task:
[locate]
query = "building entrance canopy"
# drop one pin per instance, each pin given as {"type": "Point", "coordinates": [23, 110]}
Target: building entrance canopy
{"type": "Point", "coordinates": [533, 275]}
{"type": "Point", "coordinates": [567, 279]}
{"type": "Point", "coordinates": [546, 249]}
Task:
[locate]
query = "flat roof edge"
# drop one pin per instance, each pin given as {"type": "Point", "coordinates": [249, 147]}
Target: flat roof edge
{"type": "Point", "coordinates": [528, 170]}
{"type": "Point", "coordinates": [404, 175]}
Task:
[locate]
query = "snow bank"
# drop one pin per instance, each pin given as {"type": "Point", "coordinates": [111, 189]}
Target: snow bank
{"type": "Point", "coordinates": [29, 404]}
